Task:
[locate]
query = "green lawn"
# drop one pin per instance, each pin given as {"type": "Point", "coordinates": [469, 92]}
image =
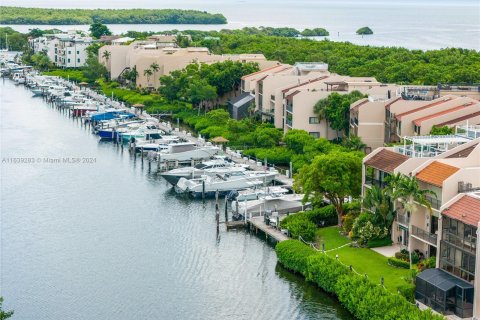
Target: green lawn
{"type": "Point", "coordinates": [363, 260]}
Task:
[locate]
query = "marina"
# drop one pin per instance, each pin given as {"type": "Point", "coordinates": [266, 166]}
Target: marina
{"type": "Point", "coordinates": [112, 220]}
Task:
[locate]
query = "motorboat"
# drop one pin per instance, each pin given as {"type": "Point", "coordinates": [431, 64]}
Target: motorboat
{"type": "Point", "coordinates": [255, 194]}
{"type": "Point", "coordinates": [147, 132]}
{"type": "Point", "coordinates": [186, 151]}
{"type": "Point", "coordinates": [272, 202]}
{"type": "Point", "coordinates": [224, 184]}
{"type": "Point", "coordinates": [218, 165]}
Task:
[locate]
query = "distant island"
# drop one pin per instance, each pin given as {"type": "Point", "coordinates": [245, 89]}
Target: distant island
{"type": "Point", "coordinates": [45, 16]}
{"type": "Point", "coordinates": [364, 30]}
{"type": "Point", "coordinates": [315, 32]}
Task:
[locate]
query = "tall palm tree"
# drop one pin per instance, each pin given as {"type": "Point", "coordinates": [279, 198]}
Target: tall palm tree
{"type": "Point", "coordinates": [354, 143]}
{"type": "Point", "coordinates": [409, 191]}
{"type": "Point", "coordinates": [320, 109]}
{"type": "Point", "coordinates": [154, 67]}
{"type": "Point", "coordinates": [148, 73]}
{"type": "Point", "coordinates": [106, 55]}
{"type": "Point", "coordinates": [380, 203]}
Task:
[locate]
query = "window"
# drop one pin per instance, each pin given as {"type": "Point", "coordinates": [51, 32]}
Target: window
{"type": "Point", "coordinates": [69, 52]}
{"type": "Point", "coordinates": [68, 60]}
{"type": "Point", "coordinates": [78, 52]}
{"type": "Point", "coordinates": [313, 120]}
{"type": "Point", "coordinates": [315, 134]}
{"type": "Point", "coordinates": [78, 60]}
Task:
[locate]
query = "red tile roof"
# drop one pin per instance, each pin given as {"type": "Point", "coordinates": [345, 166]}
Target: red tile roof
{"type": "Point", "coordinates": [433, 104]}
{"type": "Point", "coordinates": [460, 119]}
{"type": "Point", "coordinates": [466, 209]}
{"type": "Point", "coordinates": [463, 153]}
{"type": "Point", "coordinates": [436, 172]}
{"type": "Point", "coordinates": [418, 122]}
{"type": "Point", "coordinates": [386, 160]}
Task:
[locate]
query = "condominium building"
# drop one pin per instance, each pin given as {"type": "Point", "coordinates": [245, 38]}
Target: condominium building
{"type": "Point", "coordinates": [286, 94]}
{"type": "Point", "coordinates": [65, 50]}
{"type": "Point", "coordinates": [142, 55]}
{"type": "Point", "coordinates": [448, 166]}
{"type": "Point", "coordinates": [410, 114]}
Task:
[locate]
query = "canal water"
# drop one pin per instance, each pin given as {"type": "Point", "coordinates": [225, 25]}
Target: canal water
{"type": "Point", "coordinates": [88, 232]}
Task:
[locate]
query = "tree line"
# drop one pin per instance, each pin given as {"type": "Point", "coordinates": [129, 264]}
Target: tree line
{"type": "Point", "coordinates": [21, 15]}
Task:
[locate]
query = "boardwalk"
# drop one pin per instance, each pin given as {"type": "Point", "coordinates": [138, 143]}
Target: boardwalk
{"type": "Point", "coordinates": [257, 222]}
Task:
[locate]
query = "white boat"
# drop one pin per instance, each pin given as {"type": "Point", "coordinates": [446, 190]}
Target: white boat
{"type": "Point", "coordinates": [147, 132]}
{"type": "Point", "coordinates": [255, 194]}
{"type": "Point", "coordinates": [224, 184]}
{"type": "Point", "coordinates": [218, 165]}
{"type": "Point", "coordinates": [280, 203]}
{"type": "Point", "coordinates": [186, 151]}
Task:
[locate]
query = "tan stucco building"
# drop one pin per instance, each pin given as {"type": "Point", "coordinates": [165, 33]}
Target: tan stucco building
{"type": "Point", "coordinates": [142, 54]}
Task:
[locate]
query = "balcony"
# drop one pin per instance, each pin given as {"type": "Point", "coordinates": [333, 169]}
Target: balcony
{"type": "Point", "coordinates": [436, 204]}
{"type": "Point", "coordinates": [403, 219]}
{"type": "Point", "coordinates": [424, 235]}
{"type": "Point", "coordinates": [374, 182]}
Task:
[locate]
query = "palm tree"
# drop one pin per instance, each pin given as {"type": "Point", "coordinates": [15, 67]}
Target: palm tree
{"type": "Point", "coordinates": [354, 143]}
{"type": "Point", "coordinates": [155, 67]}
{"type": "Point", "coordinates": [106, 55]}
{"type": "Point", "coordinates": [148, 73]}
{"type": "Point", "coordinates": [380, 203]}
{"type": "Point", "coordinates": [320, 109]}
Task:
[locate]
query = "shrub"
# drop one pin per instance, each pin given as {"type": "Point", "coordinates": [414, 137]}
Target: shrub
{"type": "Point", "coordinates": [379, 243]}
{"type": "Point", "coordinates": [428, 263]}
{"type": "Point", "coordinates": [408, 291]}
{"type": "Point", "coordinates": [324, 216]}
{"type": "Point", "coordinates": [299, 225]}
{"type": "Point", "coordinates": [398, 263]}
{"type": "Point", "coordinates": [293, 255]}
{"type": "Point", "coordinates": [325, 271]}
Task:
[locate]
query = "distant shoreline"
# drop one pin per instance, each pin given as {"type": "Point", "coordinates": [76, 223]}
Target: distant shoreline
{"type": "Point", "coordinates": [47, 16]}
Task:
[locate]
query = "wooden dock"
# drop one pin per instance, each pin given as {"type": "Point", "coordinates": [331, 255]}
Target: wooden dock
{"type": "Point", "coordinates": [232, 225]}
{"type": "Point", "coordinates": [259, 224]}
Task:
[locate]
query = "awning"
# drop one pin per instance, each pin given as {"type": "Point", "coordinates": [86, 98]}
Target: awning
{"type": "Point", "coordinates": [442, 279]}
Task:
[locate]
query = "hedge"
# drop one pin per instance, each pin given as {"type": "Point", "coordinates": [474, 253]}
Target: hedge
{"type": "Point", "coordinates": [293, 255]}
{"type": "Point", "coordinates": [364, 299]}
{"type": "Point", "coordinates": [324, 216]}
{"type": "Point", "coordinates": [379, 243]}
{"type": "Point", "coordinates": [398, 263]}
{"type": "Point", "coordinates": [408, 291]}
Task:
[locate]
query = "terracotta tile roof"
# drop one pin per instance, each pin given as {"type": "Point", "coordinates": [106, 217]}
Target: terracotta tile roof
{"type": "Point", "coordinates": [433, 104]}
{"type": "Point", "coordinates": [304, 83]}
{"type": "Point", "coordinates": [463, 153]}
{"type": "Point", "coordinates": [418, 122]}
{"type": "Point", "coordinates": [465, 209]}
{"type": "Point", "coordinates": [459, 119]}
{"type": "Point", "coordinates": [386, 160]}
{"type": "Point", "coordinates": [436, 172]}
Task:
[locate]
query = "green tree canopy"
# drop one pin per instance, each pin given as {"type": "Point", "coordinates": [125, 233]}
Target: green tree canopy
{"type": "Point", "coordinates": [97, 30]}
{"type": "Point", "coordinates": [335, 176]}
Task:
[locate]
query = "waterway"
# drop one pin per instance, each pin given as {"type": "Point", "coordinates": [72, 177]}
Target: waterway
{"type": "Point", "coordinates": [414, 24]}
{"type": "Point", "coordinates": [105, 238]}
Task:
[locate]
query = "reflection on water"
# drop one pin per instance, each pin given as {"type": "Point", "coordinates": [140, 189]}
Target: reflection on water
{"type": "Point", "coordinates": [111, 240]}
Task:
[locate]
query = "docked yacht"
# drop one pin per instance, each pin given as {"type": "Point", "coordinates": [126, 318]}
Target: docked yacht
{"type": "Point", "coordinates": [224, 184]}
{"type": "Point", "coordinates": [186, 151]}
{"type": "Point", "coordinates": [271, 202]}
{"type": "Point", "coordinates": [218, 165]}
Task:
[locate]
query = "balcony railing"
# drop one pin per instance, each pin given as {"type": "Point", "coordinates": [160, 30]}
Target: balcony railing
{"type": "Point", "coordinates": [436, 204]}
{"type": "Point", "coordinates": [403, 219]}
{"type": "Point", "coordinates": [374, 182]}
{"type": "Point", "coordinates": [424, 235]}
